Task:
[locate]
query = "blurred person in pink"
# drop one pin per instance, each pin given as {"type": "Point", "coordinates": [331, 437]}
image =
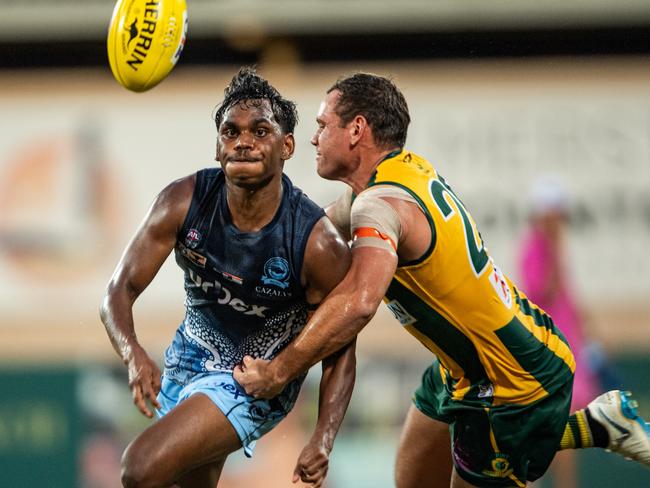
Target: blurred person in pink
{"type": "Point", "coordinates": [546, 279]}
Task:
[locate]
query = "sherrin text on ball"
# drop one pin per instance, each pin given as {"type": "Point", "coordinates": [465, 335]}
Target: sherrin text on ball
{"type": "Point", "coordinates": [145, 40]}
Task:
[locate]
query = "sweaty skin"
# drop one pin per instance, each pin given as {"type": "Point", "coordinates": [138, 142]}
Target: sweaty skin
{"type": "Point", "coordinates": [351, 305]}
{"type": "Point", "coordinates": [348, 153]}
{"type": "Point", "coordinates": [188, 446]}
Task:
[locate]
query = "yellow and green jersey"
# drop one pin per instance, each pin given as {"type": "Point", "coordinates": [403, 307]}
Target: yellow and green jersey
{"type": "Point", "coordinates": [493, 344]}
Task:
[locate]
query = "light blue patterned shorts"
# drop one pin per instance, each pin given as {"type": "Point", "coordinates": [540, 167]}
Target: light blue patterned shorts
{"type": "Point", "coordinates": [250, 418]}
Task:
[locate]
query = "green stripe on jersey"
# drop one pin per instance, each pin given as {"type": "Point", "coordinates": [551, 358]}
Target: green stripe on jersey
{"type": "Point", "coordinates": [534, 356]}
{"type": "Point", "coordinates": [430, 323]}
{"type": "Point", "coordinates": [539, 318]}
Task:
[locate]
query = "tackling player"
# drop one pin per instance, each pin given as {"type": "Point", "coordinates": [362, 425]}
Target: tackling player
{"type": "Point", "coordinates": [500, 387]}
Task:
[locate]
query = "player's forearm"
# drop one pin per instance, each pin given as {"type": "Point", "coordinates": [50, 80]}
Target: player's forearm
{"type": "Point", "coordinates": [117, 316]}
{"type": "Point", "coordinates": [336, 323]}
{"type": "Point", "coordinates": [340, 317]}
{"type": "Point", "coordinates": [337, 383]}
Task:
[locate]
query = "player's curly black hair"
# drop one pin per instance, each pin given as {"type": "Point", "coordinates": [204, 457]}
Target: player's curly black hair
{"type": "Point", "coordinates": [248, 85]}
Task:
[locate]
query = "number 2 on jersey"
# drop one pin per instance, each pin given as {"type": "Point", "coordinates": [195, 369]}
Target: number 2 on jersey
{"type": "Point", "coordinates": [478, 258]}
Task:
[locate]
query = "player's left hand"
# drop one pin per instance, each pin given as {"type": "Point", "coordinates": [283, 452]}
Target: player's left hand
{"type": "Point", "coordinates": [312, 464]}
{"type": "Point", "coordinates": [256, 378]}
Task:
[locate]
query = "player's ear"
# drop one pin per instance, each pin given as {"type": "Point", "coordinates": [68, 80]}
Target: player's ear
{"type": "Point", "coordinates": [358, 127]}
{"type": "Point", "coordinates": [217, 151]}
{"type": "Point", "coordinates": [288, 147]}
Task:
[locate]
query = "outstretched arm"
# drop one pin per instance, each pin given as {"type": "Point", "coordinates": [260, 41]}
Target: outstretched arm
{"type": "Point", "coordinates": [327, 259]}
{"type": "Point", "coordinates": [337, 383]}
{"type": "Point", "coordinates": [341, 316]}
{"type": "Point", "coordinates": [354, 301]}
{"type": "Point", "coordinates": [152, 243]}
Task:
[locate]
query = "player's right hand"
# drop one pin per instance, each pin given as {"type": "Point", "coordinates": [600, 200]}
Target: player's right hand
{"type": "Point", "coordinates": [144, 381]}
{"type": "Point", "coordinates": [313, 463]}
{"type": "Point", "coordinates": [256, 378]}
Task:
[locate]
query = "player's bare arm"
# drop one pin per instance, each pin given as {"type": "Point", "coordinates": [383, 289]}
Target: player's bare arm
{"type": "Point", "coordinates": [339, 213]}
{"type": "Point", "coordinates": [337, 383]}
{"type": "Point", "coordinates": [354, 302]}
{"type": "Point", "coordinates": [340, 317]}
{"type": "Point", "coordinates": [349, 307]}
{"type": "Point", "coordinates": [143, 257]}
{"type": "Point", "coordinates": [327, 260]}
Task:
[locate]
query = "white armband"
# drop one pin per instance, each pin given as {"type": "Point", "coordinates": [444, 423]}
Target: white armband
{"type": "Point", "coordinates": [339, 212]}
{"type": "Point", "coordinates": [374, 222]}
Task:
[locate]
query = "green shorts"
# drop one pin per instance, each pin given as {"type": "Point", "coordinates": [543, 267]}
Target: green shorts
{"type": "Point", "coordinates": [500, 446]}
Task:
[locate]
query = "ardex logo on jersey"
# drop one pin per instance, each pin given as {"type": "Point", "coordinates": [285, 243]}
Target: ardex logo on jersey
{"type": "Point", "coordinates": [225, 296]}
{"type": "Point", "coordinates": [193, 238]}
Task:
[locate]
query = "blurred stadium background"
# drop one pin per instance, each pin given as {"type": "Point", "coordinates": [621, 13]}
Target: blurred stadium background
{"type": "Point", "coordinates": [501, 92]}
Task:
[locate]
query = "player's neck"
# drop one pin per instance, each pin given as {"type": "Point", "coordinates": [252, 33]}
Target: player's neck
{"type": "Point", "coordinates": [251, 210]}
{"type": "Point", "coordinates": [370, 158]}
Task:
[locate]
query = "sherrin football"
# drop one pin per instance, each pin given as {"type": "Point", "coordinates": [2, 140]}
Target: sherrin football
{"type": "Point", "coordinates": [145, 40]}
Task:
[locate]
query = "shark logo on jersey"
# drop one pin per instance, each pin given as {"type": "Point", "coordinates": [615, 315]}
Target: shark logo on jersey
{"type": "Point", "coordinates": [276, 272]}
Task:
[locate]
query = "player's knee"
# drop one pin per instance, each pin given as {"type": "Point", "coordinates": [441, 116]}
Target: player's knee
{"type": "Point", "coordinates": [138, 470]}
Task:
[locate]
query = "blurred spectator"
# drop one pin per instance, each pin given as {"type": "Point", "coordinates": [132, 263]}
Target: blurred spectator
{"type": "Point", "coordinates": [100, 461]}
{"type": "Point", "coordinates": [545, 278]}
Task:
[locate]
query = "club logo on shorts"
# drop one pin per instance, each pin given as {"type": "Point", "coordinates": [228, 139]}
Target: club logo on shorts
{"type": "Point", "coordinates": [193, 238]}
{"type": "Point", "coordinates": [276, 272]}
{"type": "Point", "coordinates": [500, 466]}
{"type": "Point", "coordinates": [486, 391]}
{"type": "Point", "coordinates": [258, 412]}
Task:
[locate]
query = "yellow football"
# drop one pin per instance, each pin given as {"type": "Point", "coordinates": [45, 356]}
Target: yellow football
{"type": "Point", "coordinates": [145, 40]}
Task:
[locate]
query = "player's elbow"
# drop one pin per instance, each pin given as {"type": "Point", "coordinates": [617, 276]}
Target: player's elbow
{"type": "Point", "coordinates": [106, 304]}
{"type": "Point", "coordinates": [103, 311]}
{"type": "Point", "coordinates": [118, 293]}
{"type": "Point", "coordinates": [366, 311]}
{"type": "Point", "coordinates": [364, 308]}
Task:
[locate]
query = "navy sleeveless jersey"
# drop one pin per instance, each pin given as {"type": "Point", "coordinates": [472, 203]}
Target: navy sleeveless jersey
{"type": "Point", "coordinates": [243, 291]}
